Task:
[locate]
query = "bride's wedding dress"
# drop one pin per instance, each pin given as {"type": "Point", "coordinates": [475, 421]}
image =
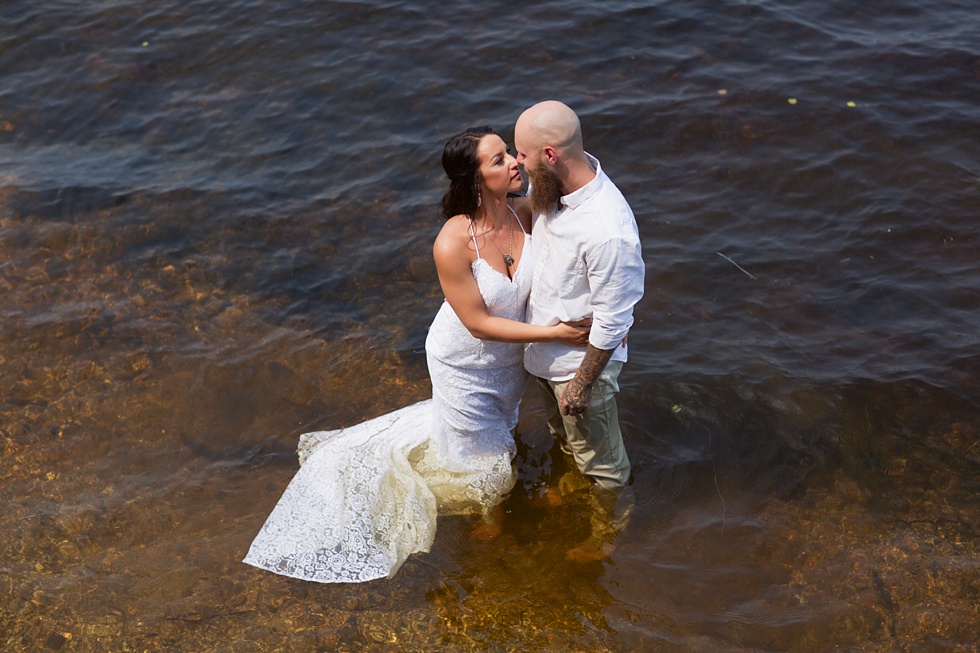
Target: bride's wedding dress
{"type": "Point", "coordinates": [366, 497]}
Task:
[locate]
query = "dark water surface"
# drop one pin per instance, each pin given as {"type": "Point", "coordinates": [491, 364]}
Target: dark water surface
{"type": "Point", "coordinates": [215, 234]}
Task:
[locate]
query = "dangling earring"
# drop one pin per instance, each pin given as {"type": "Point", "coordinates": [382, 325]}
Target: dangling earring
{"type": "Point", "coordinates": [479, 199]}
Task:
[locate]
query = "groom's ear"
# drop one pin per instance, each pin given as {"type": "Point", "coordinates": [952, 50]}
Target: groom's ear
{"type": "Point", "coordinates": [550, 154]}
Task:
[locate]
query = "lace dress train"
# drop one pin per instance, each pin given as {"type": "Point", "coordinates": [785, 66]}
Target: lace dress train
{"type": "Point", "coordinates": [356, 509]}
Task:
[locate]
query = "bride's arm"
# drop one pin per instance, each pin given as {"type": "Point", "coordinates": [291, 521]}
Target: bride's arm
{"type": "Point", "coordinates": [453, 263]}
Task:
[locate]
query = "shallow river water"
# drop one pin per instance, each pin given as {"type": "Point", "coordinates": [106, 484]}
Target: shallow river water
{"type": "Point", "coordinates": [215, 234]}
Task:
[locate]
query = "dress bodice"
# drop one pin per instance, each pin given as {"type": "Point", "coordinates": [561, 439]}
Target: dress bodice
{"type": "Point", "coordinates": [451, 342]}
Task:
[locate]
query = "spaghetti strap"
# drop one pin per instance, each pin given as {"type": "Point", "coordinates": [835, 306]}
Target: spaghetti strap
{"type": "Point", "coordinates": [514, 213]}
{"type": "Point", "coordinates": [473, 236]}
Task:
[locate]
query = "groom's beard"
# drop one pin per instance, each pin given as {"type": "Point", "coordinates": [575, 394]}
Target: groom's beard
{"type": "Point", "coordinates": [546, 190]}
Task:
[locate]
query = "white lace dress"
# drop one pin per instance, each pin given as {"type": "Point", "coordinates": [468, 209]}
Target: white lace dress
{"type": "Point", "coordinates": [366, 497]}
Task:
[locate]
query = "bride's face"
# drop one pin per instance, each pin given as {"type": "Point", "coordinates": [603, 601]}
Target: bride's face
{"type": "Point", "coordinates": [498, 169]}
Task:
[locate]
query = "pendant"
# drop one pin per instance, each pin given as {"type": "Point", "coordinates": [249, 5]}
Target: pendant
{"type": "Point", "coordinates": [508, 259]}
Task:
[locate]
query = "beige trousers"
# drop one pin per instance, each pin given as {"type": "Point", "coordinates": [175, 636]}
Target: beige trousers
{"type": "Point", "coordinates": [593, 439]}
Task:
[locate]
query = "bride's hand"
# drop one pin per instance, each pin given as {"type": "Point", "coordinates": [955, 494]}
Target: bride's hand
{"type": "Point", "coordinates": [574, 333]}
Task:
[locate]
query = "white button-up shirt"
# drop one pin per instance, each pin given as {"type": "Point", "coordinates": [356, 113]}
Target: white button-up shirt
{"type": "Point", "coordinates": [587, 263]}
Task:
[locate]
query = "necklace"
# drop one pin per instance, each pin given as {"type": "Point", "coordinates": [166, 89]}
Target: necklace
{"type": "Point", "coordinates": [508, 259]}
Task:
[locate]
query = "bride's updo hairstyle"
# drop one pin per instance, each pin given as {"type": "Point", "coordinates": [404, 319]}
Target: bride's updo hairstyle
{"type": "Point", "coordinates": [462, 166]}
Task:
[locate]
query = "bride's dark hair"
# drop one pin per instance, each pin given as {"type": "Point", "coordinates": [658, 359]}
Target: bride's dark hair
{"type": "Point", "coordinates": [462, 166]}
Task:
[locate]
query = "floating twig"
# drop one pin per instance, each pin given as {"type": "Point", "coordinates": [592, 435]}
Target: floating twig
{"type": "Point", "coordinates": [736, 265]}
{"type": "Point", "coordinates": [714, 469]}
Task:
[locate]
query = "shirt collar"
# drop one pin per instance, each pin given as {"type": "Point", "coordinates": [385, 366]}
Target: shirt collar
{"type": "Point", "coordinates": [574, 199]}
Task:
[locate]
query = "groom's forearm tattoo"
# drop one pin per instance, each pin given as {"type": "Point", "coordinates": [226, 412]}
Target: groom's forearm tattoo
{"type": "Point", "coordinates": [592, 365]}
{"type": "Point", "coordinates": [578, 393]}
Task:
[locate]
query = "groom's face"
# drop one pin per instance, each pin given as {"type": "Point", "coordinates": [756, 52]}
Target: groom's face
{"type": "Point", "coordinates": [546, 185]}
{"type": "Point", "coordinates": [527, 148]}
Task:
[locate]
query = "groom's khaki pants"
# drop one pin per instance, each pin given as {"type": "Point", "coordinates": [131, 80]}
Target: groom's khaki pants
{"type": "Point", "coordinates": [593, 438]}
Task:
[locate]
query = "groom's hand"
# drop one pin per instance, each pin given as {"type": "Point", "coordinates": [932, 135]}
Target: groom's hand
{"type": "Point", "coordinates": [577, 394]}
{"type": "Point", "coordinates": [576, 397]}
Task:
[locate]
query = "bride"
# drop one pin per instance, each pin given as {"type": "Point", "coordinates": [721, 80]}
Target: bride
{"type": "Point", "coordinates": [366, 497]}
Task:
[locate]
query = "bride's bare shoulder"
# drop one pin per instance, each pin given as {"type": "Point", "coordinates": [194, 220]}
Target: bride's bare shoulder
{"type": "Point", "coordinates": [454, 235]}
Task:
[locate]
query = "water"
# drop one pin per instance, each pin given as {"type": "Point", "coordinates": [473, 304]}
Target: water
{"type": "Point", "coordinates": [216, 223]}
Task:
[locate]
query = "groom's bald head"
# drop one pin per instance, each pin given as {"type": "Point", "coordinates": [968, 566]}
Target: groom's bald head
{"type": "Point", "coordinates": [549, 124]}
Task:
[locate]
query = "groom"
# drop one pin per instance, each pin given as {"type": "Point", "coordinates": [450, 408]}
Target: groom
{"type": "Point", "coordinates": [587, 263]}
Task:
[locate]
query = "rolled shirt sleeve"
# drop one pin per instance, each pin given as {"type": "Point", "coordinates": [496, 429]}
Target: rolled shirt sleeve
{"type": "Point", "coordinates": [615, 274]}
